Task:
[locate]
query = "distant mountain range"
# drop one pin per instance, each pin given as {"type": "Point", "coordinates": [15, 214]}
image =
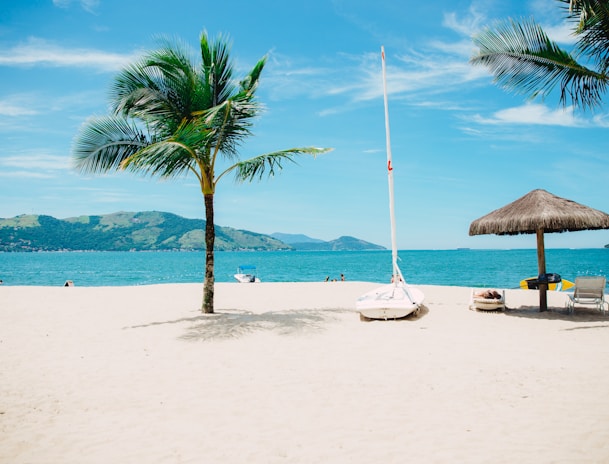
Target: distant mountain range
{"type": "Point", "coordinates": [147, 231]}
{"type": "Point", "coordinates": [295, 238]}
{"type": "Point", "coordinates": [344, 243]}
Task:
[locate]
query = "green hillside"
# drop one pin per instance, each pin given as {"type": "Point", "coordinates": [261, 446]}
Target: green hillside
{"type": "Point", "coordinates": [146, 231]}
{"type": "Point", "coordinates": [124, 231]}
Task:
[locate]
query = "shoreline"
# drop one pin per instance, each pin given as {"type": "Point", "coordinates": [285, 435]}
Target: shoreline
{"type": "Point", "coordinates": [286, 372]}
{"type": "Point", "coordinates": [503, 269]}
{"type": "Point", "coordinates": [273, 296]}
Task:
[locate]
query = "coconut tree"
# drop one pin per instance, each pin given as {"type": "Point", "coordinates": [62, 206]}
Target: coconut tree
{"type": "Point", "coordinates": [171, 117]}
{"type": "Point", "coordinates": [524, 60]}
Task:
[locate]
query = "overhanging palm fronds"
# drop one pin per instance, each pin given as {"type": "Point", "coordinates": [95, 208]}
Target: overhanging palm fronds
{"type": "Point", "coordinates": [592, 30]}
{"type": "Point", "coordinates": [524, 60]}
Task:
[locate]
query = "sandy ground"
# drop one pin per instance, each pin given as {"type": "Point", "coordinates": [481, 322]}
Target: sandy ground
{"type": "Point", "coordinates": [287, 373]}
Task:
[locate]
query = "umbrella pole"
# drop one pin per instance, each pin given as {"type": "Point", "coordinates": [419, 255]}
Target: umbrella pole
{"type": "Point", "coordinates": [541, 266]}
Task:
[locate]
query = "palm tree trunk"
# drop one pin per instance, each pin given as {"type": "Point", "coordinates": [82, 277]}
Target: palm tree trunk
{"type": "Point", "coordinates": [210, 236]}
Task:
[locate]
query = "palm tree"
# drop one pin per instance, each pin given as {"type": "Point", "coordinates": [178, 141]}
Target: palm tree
{"type": "Point", "coordinates": [524, 60]}
{"type": "Point", "coordinates": [171, 117]}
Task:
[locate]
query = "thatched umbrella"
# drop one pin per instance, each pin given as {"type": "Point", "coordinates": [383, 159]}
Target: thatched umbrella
{"type": "Point", "coordinates": [536, 213]}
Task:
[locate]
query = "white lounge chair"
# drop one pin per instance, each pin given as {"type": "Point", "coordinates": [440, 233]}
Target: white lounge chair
{"type": "Point", "coordinates": [479, 301]}
{"type": "Point", "coordinates": [588, 291]}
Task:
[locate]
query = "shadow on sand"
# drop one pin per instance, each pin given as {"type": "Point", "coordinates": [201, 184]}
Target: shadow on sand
{"type": "Point", "coordinates": [232, 324]}
{"type": "Point", "coordinates": [229, 324]}
{"type": "Point", "coordinates": [560, 314]}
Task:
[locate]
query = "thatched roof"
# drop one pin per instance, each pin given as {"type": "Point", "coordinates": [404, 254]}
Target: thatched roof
{"type": "Point", "coordinates": [539, 210]}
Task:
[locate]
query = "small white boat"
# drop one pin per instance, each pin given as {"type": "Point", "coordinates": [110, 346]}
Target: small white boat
{"type": "Point", "coordinates": [246, 274]}
{"type": "Point", "coordinates": [390, 302]}
{"type": "Point", "coordinates": [397, 299]}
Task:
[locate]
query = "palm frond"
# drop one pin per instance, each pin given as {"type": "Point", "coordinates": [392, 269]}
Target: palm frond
{"type": "Point", "coordinates": [216, 69]}
{"type": "Point", "coordinates": [592, 30]}
{"type": "Point", "coordinates": [268, 164]}
{"type": "Point", "coordinates": [166, 159]}
{"type": "Point", "coordinates": [162, 88]}
{"type": "Point", "coordinates": [250, 82]}
{"type": "Point", "coordinates": [580, 11]}
{"type": "Point", "coordinates": [183, 151]}
{"type": "Point", "coordinates": [103, 143]}
{"type": "Point", "coordinates": [524, 60]}
{"type": "Point", "coordinates": [231, 122]}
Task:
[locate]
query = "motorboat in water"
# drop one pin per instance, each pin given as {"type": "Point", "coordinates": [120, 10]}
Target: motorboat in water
{"type": "Point", "coordinates": [246, 274]}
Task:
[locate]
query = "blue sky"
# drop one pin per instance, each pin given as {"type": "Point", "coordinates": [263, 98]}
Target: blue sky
{"type": "Point", "coordinates": [462, 147]}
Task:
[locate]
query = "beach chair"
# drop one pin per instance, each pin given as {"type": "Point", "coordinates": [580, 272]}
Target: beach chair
{"type": "Point", "coordinates": [483, 300]}
{"type": "Point", "coordinates": [588, 291]}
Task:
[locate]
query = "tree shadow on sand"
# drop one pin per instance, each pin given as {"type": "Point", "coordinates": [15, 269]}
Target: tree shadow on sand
{"type": "Point", "coordinates": [232, 324]}
{"type": "Point", "coordinates": [581, 314]}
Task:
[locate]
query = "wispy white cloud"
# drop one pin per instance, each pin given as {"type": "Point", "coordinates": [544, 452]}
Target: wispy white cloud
{"type": "Point", "coordinates": [560, 33]}
{"type": "Point", "coordinates": [410, 75]}
{"type": "Point", "coordinates": [40, 114]}
{"type": "Point", "coordinates": [110, 197]}
{"type": "Point", "coordinates": [25, 175]}
{"type": "Point", "coordinates": [40, 52]}
{"type": "Point", "coordinates": [415, 75]}
{"type": "Point", "coordinates": [30, 164]}
{"type": "Point", "coordinates": [533, 114]}
{"type": "Point", "coordinates": [463, 48]}
{"type": "Point", "coordinates": [87, 5]}
{"type": "Point", "coordinates": [465, 25]}
{"type": "Point", "coordinates": [435, 67]}
{"type": "Point", "coordinates": [15, 106]}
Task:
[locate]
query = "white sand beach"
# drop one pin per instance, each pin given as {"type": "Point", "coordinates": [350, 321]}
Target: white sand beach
{"type": "Point", "coordinates": [287, 373]}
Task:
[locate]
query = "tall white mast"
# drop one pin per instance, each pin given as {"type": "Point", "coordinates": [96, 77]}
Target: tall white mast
{"type": "Point", "coordinates": [397, 274]}
{"type": "Point", "coordinates": [396, 300]}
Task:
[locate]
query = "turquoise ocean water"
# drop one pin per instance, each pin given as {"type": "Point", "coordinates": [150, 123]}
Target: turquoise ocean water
{"type": "Point", "coordinates": [483, 268]}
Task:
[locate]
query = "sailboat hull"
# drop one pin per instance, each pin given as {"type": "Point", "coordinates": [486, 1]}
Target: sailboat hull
{"type": "Point", "coordinates": [390, 302]}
